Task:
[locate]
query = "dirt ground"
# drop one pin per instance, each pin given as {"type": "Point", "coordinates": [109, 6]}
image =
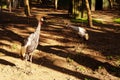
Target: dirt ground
{"type": "Point", "coordinates": [61, 54]}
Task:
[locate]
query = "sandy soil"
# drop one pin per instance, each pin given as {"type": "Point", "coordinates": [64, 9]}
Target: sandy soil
{"type": "Point", "coordinates": [61, 54]}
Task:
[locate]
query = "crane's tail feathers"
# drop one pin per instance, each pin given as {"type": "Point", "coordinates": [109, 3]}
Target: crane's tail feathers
{"type": "Point", "coordinates": [23, 51]}
{"type": "Point", "coordinates": [86, 36]}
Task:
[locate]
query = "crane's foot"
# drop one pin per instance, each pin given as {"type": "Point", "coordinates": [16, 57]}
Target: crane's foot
{"type": "Point", "coordinates": [29, 72]}
{"type": "Point", "coordinates": [28, 68]}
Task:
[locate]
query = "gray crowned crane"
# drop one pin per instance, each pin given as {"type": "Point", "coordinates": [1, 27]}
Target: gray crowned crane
{"type": "Point", "coordinates": [82, 32]}
{"type": "Point", "coordinates": [31, 43]}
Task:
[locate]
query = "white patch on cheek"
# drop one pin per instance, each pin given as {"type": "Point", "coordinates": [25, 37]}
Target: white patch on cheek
{"type": "Point", "coordinates": [42, 19]}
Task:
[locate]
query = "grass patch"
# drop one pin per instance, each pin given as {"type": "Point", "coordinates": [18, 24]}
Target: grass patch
{"type": "Point", "coordinates": [97, 21]}
{"type": "Point", "coordinates": [69, 60]}
{"type": "Point", "coordinates": [80, 68]}
{"type": "Point", "coordinates": [109, 57]}
{"type": "Point", "coordinates": [87, 79]}
{"type": "Point", "coordinates": [4, 6]}
{"type": "Point", "coordinates": [84, 20]}
{"type": "Point", "coordinates": [14, 46]}
{"type": "Point", "coordinates": [117, 20]}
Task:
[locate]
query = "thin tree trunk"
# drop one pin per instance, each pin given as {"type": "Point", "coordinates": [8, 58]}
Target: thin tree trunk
{"type": "Point", "coordinates": [15, 4]}
{"type": "Point", "coordinates": [27, 7]}
{"type": "Point", "coordinates": [0, 5]}
{"type": "Point", "coordinates": [89, 13]}
{"type": "Point", "coordinates": [9, 6]}
{"type": "Point", "coordinates": [56, 4]}
{"type": "Point", "coordinates": [111, 3]}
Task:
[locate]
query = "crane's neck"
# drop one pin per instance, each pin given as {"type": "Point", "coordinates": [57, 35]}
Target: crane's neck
{"type": "Point", "coordinates": [38, 27]}
{"type": "Point", "coordinates": [74, 27]}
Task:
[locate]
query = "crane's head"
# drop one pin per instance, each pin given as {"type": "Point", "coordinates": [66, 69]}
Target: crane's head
{"type": "Point", "coordinates": [42, 19]}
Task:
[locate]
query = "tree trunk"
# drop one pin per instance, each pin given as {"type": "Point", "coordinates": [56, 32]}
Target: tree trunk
{"type": "Point", "coordinates": [27, 7]}
{"type": "Point", "coordinates": [106, 4]}
{"type": "Point", "coordinates": [76, 8]}
{"type": "Point", "coordinates": [111, 3]}
{"type": "Point", "coordinates": [0, 5]}
{"type": "Point", "coordinates": [70, 7]}
{"type": "Point", "coordinates": [56, 4]}
{"type": "Point", "coordinates": [93, 2]}
{"type": "Point", "coordinates": [15, 4]}
{"type": "Point", "coordinates": [9, 6]}
{"type": "Point", "coordinates": [89, 13]}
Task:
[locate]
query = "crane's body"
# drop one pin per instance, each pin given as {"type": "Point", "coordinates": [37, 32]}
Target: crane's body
{"type": "Point", "coordinates": [31, 43]}
{"type": "Point", "coordinates": [82, 32]}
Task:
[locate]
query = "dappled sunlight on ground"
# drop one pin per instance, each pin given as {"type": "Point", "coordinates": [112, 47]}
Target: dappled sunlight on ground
{"type": "Point", "coordinates": [61, 54]}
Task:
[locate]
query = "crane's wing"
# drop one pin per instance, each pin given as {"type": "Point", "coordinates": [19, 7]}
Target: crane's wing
{"type": "Point", "coordinates": [74, 28]}
{"type": "Point", "coordinates": [33, 41]}
{"type": "Point", "coordinates": [27, 41]}
{"type": "Point", "coordinates": [82, 31]}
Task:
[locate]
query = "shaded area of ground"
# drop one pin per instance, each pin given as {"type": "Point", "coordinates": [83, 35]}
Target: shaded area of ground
{"type": "Point", "coordinates": [61, 54]}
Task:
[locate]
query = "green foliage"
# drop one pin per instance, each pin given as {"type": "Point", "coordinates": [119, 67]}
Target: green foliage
{"type": "Point", "coordinates": [97, 21]}
{"type": "Point", "coordinates": [84, 20]}
{"type": "Point", "coordinates": [87, 79]}
{"type": "Point", "coordinates": [109, 57]}
{"type": "Point", "coordinates": [117, 20]}
{"type": "Point", "coordinates": [81, 68]}
{"type": "Point", "coordinates": [4, 6]}
{"type": "Point", "coordinates": [69, 60]}
{"type": "Point", "coordinates": [100, 67]}
{"type": "Point", "coordinates": [14, 46]}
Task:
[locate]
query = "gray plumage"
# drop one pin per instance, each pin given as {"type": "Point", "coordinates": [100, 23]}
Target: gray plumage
{"type": "Point", "coordinates": [31, 43]}
{"type": "Point", "coordinates": [82, 32]}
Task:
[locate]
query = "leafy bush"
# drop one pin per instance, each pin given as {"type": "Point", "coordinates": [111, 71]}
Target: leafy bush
{"type": "Point", "coordinates": [117, 20]}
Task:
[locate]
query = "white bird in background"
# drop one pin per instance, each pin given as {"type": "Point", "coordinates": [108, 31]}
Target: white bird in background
{"type": "Point", "coordinates": [82, 32]}
{"type": "Point", "coordinates": [31, 43]}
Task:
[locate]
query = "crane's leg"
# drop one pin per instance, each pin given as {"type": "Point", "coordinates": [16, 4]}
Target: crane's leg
{"type": "Point", "coordinates": [26, 63]}
{"type": "Point", "coordinates": [30, 58]}
{"type": "Point", "coordinates": [26, 57]}
{"type": "Point", "coordinates": [30, 67]}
